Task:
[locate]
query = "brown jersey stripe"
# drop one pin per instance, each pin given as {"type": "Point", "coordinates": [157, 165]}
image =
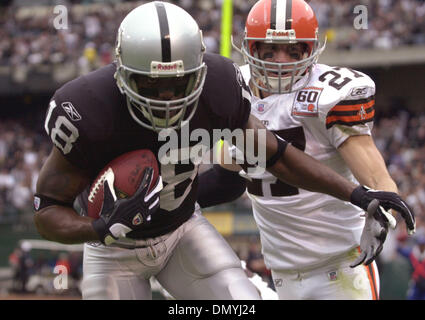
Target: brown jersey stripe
{"type": "Point", "coordinates": [349, 113]}
{"type": "Point", "coordinates": [345, 123]}
{"type": "Point", "coordinates": [353, 118]}
{"type": "Point", "coordinates": [346, 110]}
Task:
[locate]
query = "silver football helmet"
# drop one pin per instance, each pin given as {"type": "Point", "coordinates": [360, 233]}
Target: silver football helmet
{"type": "Point", "coordinates": [159, 55]}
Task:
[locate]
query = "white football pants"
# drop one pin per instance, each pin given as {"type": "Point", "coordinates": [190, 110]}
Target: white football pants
{"type": "Point", "coordinates": [192, 262]}
{"type": "Point", "coordinates": [335, 280]}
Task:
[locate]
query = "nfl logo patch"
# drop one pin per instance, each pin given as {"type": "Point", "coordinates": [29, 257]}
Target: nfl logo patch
{"type": "Point", "coordinates": [260, 107]}
{"type": "Point", "coordinates": [333, 275]}
{"type": "Point", "coordinates": [36, 203]}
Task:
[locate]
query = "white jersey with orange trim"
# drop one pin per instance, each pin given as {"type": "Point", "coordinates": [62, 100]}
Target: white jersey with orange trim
{"type": "Point", "coordinates": [301, 229]}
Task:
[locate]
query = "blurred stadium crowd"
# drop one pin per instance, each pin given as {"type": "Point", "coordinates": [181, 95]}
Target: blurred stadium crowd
{"type": "Point", "coordinates": [21, 154]}
{"type": "Point", "coordinates": [28, 37]}
{"type": "Point", "coordinates": [28, 40]}
{"type": "Point", "coordinates": [32, 273]}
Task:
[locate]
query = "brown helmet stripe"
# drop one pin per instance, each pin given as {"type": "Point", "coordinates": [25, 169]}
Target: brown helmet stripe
{"type": "Point", "coordinates": [288, 18]}
{"type": "Point", "coordinates": [281, 14]}
{"type": "Point", "coordinates": [273, 15]}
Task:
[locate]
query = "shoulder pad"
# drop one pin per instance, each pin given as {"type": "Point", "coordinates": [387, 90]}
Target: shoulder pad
{"type": "Point", "coordinates": [346, 96]}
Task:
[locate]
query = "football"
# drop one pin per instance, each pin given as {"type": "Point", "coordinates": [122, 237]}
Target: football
{"type": "Point", "coordinates": [128, 171]}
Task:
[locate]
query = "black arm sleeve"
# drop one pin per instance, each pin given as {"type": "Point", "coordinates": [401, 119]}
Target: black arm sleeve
{"type": "Point", "coordinates": [218, 185]}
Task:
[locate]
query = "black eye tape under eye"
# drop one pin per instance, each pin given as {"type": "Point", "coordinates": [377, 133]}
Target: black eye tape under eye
{"type": "Point", "coordinates": [268, 55]}
{"type": "Point", "coordinates": [296, 55]}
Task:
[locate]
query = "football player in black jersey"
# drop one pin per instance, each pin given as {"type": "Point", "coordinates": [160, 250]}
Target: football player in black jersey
{"type": "Point", "coordinates": [162, 81]}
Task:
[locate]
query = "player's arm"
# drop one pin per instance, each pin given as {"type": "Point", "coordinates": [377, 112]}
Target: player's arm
{"type": "Point", "coordinates": [219, 185]}
{"type": "Point", "coordinates": [222, 182]}
{"type": "Point", "coordinates": [299, 169]}
{"type": "Point", "coordinates": [366, 163]}
{"type": "Point", "coordinates": [59, 183]}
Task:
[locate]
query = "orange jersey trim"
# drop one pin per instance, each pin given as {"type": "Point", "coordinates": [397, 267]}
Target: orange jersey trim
{"type": "Point", "coordinates": [353, 107]}
{"type": "Point", "coordinates": [351, 114]}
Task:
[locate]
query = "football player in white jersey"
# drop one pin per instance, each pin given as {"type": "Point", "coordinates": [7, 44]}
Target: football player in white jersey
{"type": "Point", "coordinates": [310, 241]}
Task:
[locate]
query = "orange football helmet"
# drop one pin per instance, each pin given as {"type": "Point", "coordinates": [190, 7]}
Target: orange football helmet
{"type": "Point", "coordinates": [281, 22]}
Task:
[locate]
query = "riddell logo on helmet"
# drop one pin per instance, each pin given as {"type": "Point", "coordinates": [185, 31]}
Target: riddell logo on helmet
{"type": "Point", "coordinates": [164, 67]}
{"type": "Point", "coordinates": [280, 33]}
{"type": "Point", "coordinates": [284, 34]}
{"type": "Point", "coordinates": [167, 67]}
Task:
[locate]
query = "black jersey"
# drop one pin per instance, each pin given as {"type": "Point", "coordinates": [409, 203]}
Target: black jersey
{"type": "Point", "coordinates": [88, 121]}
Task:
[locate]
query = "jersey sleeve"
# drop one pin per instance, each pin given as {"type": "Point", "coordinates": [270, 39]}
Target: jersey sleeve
{"type": "Point", "coordinates": [67, 122]}
{"type": "Point", "coordinates": [62, 127]}
{"type": "Point", "coordinates": [81, 117]}
{"type": "Point", "coordinates": [351, 112]}
{"type": "Point", "coordinates": [227, 95]}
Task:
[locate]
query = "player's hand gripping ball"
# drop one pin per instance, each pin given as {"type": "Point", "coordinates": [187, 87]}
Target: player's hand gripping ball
{"type": "Point", "coordinates": [124, 195]}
